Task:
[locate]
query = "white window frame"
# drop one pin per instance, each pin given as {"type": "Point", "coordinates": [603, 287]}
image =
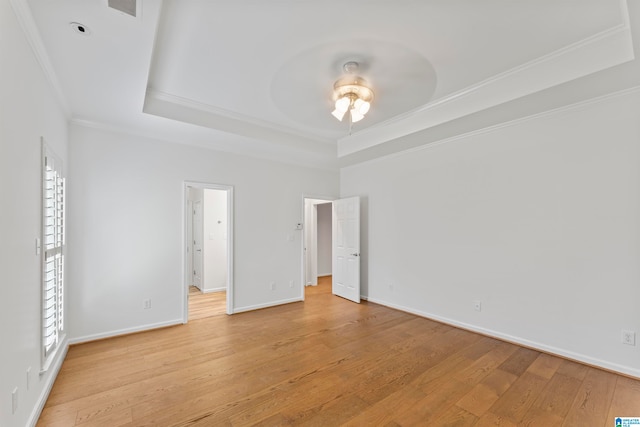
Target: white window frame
{"type": "Point", "coordinates": [53, 254]}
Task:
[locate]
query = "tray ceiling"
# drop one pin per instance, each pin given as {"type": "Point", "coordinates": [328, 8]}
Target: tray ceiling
{"type": "Point", "coordinates": [256, 77]}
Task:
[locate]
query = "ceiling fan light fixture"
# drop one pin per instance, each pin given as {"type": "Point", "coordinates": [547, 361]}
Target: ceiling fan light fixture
{"type": "Point", "coordinates": [361, 106]}
{"type": "Point", "coordinates": [351, 94]}
{"type": "Point", "coordinates": [356, 116]}
{"type": "Point", "coordinates": [342, 104]}
{"type": "Point", "coordinates": [338, 114]}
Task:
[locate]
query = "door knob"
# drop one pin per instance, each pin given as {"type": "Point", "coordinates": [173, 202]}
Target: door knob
{"type": "Point", "coordinates": [355, 254]}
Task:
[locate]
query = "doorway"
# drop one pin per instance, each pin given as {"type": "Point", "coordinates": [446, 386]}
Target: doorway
{"type": "Point", "coordinates": [208, 247]}
{"type": "Point", "coordinates": [344, 243]}
{"type": "Point", "coordinates": [317, 241]}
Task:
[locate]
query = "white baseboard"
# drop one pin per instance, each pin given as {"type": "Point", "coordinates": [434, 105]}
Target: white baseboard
{"type": "Point", "coordinates": [48, 385]}
{"type": "Point", "coordinates": [567, 354]}
{"type": "Point", "coordinates": [267, 305]}
{"type": "Point", "coordinates": [111, 334]}
{"type": "Point", "coordinates": [209, 291]}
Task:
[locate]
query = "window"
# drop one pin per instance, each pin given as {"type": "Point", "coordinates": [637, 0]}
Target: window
{"type": "Point", "coordinates": [53, 238]}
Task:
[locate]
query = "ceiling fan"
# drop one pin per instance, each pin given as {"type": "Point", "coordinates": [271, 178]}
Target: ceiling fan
{"type": "Point", "coordinates": [125, 6]}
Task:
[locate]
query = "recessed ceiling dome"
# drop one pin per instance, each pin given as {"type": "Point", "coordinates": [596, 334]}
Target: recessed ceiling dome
{"type": "Point", "coordinates": [400, 79]}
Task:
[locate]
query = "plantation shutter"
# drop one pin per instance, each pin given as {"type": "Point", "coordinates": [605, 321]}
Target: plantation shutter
{"type": "Point", "coordinates": [53, 256]}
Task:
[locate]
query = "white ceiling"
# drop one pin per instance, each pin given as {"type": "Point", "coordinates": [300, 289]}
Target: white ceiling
{"type": "Point", "coordinates": [255, 76]}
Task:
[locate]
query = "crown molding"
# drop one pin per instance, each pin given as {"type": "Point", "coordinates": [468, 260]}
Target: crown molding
{"type": "Point", "coordinates": [25, 18]}
{"type": "Point", "coordinates": [589, 55]}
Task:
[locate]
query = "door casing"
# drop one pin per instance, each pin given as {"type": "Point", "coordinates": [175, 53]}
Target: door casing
{"type": "Point", "coordinates": [305, 219]}
{"type": "Point", "coordinates": [187, 241]}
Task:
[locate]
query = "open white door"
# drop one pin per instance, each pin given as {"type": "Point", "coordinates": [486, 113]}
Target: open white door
{"type": "Point", "coordinates": [346, 248]}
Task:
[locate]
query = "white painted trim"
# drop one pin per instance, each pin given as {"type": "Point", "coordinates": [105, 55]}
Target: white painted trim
{"type": "Point", "coordinates": [625, 370]}
{"type": "Point", "coordinates": [54, 368]}
{"type": "Point", "coordinates": [230, 242]}
{"type": "Point", "coordinates": [267, 305]}
{"type": "Point", "coordinates": [212, 290]}
{"type": "Point", "coordinates": [587, 56]}
{"type": "Point", "coordinates": [515, 122]}
{"type": "Point", "coordinates": [25, 17]}
{"type": "Point", "coordinates": [126, 331]}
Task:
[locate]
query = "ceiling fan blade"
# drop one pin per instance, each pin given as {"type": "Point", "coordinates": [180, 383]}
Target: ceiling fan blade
{"type": "Point", "coordinates": [125, 6]}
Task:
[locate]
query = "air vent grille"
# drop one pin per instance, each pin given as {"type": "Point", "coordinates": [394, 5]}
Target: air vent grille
{"type": "Point", "coordinates": [125, 6]}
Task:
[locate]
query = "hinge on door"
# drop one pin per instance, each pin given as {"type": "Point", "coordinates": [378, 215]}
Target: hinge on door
{"type": "Point", "coordinates": [194, 272]}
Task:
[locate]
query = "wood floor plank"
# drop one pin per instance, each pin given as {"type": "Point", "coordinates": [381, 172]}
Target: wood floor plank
{"type": "Point", "coordinates": [487, 392]}
{"type": "Point", "coordinates": [592, 399]}
{"type": "Point", "coordinates": [116, 418]}
{"type": "Point", "coordinates": [484, 365]}
{"type": "Point", "coordinates": [545, 365]}
{"type": "Point", "coordinates": [325, 362]}
{"type": "Point", "coordinates": [435, 404]}
{"type": "Point", "coordinates": [520, 361]}
{"type": "Point", "coordinates": [553, 404]}
{"type": "Point", "coordinates": [384, 411]}
{"type": "Point", "coordinates": [478, 400]}
{"type": "Point", "coordinates": [329, 413]}
{"type": "Point", "coordinates": [573, 369]}
{"type": "Point", "coordinates": [492, 420]}
{"type": "Point", "coordinates": [203, 305]}
{"type": "Point", "coordinates": [626, 399]}
{"type": "Point", "coordinates": [516, 402]}
{"type": "Point", "coordinates": [456, 417]}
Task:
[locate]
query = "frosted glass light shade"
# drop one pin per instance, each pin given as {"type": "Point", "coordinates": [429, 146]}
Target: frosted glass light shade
{"type": "Point", "coordinates": [342, 104]}
{"type": "Point", "coordinates": [338, 114]}
{"type": "Point", "coordinates": [356, 116]}
{"type": "Point", "coordinates": [361, 106]}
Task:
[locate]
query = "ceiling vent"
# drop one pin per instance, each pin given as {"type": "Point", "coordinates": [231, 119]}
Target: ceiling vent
{"type": "Point", "coordinates": [124, 6]}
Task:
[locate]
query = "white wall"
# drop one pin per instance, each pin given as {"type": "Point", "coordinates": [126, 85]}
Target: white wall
{"type": "Point", "coordinates": [126, 245]}
{"type": "Point", "coordinates": [539, 220]}
{"type": "Point", "coordinates": [28, 110]}
{"type": "Point", "coordinates": [215, 240]}
{"type": "Point", "coordinates": [324, 239]}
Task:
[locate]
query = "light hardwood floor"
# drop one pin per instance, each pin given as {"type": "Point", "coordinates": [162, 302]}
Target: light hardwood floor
{"type": "Point", "coordinates": [328, 362]}
{"type": "Point", "coordinates": [206, 305]}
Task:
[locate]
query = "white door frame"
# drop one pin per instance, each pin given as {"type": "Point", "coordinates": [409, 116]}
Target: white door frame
{"type": "Point", "coordinates": [195, 258]}
{"type": "Point", "coordinates": [303, 280]}
{"type": "Point", "coordinates": [189, 249]}
{"type": "Point", "coordinates": [186, 240]}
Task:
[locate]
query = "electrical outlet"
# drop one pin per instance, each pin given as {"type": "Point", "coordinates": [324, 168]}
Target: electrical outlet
{"type": "Point", "coordinates": [273, 286]}
{"type": "Point", "coordinates": [28, 378]}
{"type": "Point", "coordinates": [628, 337]}
{"type": "Point", "coordinates": [146, 304]}
{"type": "Point", "coordinates": [291, 283]}
{"type": "Point", "coordinates": [14, 400]}
{"type": "Point", "coordinates": [477, 305]}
